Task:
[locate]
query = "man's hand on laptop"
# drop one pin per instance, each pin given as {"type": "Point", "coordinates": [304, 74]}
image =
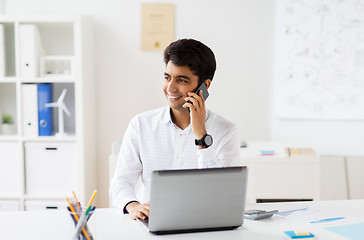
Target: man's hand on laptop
{"type": "Point", "coordinates": [137, 210]}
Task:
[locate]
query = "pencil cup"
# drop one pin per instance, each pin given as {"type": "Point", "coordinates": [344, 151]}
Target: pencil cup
{"type": "Point", "coordinates": [81, 231]}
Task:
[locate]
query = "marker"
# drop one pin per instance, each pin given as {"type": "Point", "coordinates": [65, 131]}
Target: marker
{"type": "Point", "coordinates": [81, 223]}
{"type": "Point", "coordinates": [327, 220]}
{"type": "Point", "coordinates": [77, 219]}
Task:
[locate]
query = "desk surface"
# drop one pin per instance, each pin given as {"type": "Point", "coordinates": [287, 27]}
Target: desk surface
{"type": "Point", "coordinates": [110, 223]}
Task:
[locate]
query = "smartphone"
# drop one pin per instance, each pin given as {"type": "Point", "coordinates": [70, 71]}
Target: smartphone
{"type": "Point", "coordinates": [202, 87]}
{"type": "Point", "coordinates": [205, 93]}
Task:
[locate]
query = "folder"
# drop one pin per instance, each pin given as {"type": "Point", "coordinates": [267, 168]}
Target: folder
{"type": "Point", "coordinates": [45, 120]}
{"type": "Point", "coordinates": [2, 51]}
{"type": "Point", "coordinates": [30, 50]}
{"type": "Point", "coordinates": [29, 110]}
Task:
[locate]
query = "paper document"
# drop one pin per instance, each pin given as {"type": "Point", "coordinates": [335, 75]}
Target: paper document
{"type": "Point", "coordinates": [313, 215]}
{"type": "Point", "coordinates": [351, 231]}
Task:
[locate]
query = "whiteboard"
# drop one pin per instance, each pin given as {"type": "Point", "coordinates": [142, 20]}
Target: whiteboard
{"type": "Point", "coordinates": [319, 60]}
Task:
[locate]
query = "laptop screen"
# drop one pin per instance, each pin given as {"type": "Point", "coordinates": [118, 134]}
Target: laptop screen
{"type": "Point", "coordinates": [197, 198]}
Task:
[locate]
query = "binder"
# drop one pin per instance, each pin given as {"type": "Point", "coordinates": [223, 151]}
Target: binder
{"type": "Point", "coordinates": [30, 50]}
{"type": "Point", "coordinates": [29, 110]}
{"type": "Point", "coordinates": [2, 51]}
{"type": "Point", "coordinates": [45, 120]}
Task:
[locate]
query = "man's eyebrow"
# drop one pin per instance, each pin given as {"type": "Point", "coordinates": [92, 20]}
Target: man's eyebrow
{"type": "Point", "coordinates": [178, 76]}
{"type": "Point", "coordinates": [183, 76]}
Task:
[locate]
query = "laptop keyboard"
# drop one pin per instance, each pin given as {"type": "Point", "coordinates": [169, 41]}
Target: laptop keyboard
{"type": "Point", "coordinates": [145, 221]}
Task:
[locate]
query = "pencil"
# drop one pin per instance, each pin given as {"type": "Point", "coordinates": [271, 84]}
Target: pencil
{"type": "Point", "coordinates": [295, 150]}
{"type": "Point", "coordinates": [78, 203]}
{"type": "Point", "coordinates": [92, 198]}
{"type": "Point", "coordinates": [76, 217]}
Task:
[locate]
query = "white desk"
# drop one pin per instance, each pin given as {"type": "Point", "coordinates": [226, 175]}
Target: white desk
{"type": "Point", "coordinates": [112, 224]}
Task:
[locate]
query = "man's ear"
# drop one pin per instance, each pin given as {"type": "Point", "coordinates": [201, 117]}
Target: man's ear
{"type": "Point", "coordinates": [208, 83]}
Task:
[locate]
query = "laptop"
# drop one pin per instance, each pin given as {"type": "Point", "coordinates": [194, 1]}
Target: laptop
{"type": "Point", "coordinates": [197, 200]}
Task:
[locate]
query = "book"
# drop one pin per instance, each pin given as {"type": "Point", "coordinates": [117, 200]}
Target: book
{"type": "Point", "coordinates": [29, 110]}
{"type": "Point", "coordinates": [266, 152]}
{"type": "Point", "coordinates": [45, 119]}
{"type": "Point", "coordinates": [293, 235]}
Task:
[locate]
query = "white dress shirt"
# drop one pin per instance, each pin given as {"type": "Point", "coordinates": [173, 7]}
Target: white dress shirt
{"type": "Point", "coordinates": [153, 142]}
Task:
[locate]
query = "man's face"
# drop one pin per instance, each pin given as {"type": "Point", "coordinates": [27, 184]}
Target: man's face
{"type": "Point", "coordinates": [178, 81]}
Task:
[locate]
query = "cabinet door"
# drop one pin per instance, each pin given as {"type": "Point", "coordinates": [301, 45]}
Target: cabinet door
{"type": "Point", "coordinates": [9, 205]}
{"type": "Point", "coordinates": [38, 205]}
{"type": "Point", "coordinates": [356, 177]}
{"type": "Point", "coordinates": [51, 168]}
{"type": "Point", "coordinates": [10, 169]}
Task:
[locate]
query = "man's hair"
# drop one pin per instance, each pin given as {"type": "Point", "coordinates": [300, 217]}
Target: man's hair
{"type": "Point", "coordinates": [194, 54]}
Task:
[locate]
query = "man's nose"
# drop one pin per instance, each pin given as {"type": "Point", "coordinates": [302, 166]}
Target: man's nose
{"type": "Point", "coordinates": [172, 86]}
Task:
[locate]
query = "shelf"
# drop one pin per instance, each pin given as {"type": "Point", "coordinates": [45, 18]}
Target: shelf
{"type": "Point", "coordinates": [55, 50]}
{"type": "Point", "coordinates": [55, 79]}
{"type": "Point", "coordinates": [10, 197]}
{"type": "Point", "coordinates": [8, 80]}
{"type": "Point", "coordinates": [38, 18]}
{"type": "Point", "coordinates": [14, 138]}
{"type": "Point", "coordinates": [44, 197]}
{"type": "Point", "coordinates": [70, 138]}
{"type": "Point", "coordinates": [9, 138]}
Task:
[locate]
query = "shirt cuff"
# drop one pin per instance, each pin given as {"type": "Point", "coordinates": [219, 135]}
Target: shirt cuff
{"type": "Point", "coordinates": [124, 209]}
{"type": "Point", "coordinates": [205, 157]}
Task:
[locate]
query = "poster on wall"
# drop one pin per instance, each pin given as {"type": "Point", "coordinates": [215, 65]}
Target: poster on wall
{"type": "Point", "coordinates": [319, 60]}
{"type": "Point", "coordinates": [157, 26]}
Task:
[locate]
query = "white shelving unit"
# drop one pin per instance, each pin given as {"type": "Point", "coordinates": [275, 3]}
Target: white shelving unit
{"type": "Point", "coordinates": [37, 172]}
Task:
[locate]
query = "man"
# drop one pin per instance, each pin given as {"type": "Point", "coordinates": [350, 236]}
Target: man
{"type": "Point", "coordinates": [165, 138]}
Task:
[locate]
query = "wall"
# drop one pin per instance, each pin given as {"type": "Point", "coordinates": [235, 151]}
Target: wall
{"type": "Point", "coordinates": [129, 80]}
{"type": "Point", "coordinates": [241, 33]}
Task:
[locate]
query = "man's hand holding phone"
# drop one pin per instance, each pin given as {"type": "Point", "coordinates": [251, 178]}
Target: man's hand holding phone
{"type": "Point", "coordinates": [196, 104]}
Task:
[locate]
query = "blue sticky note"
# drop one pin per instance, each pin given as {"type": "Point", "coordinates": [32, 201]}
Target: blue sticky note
{"type": "Point", "coordinates": [292, 234]}
{"type": "Point", "coordinates": [351, 231]}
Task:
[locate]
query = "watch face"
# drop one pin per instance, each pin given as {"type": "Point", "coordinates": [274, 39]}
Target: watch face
{"type": "Point", "coordinates": [208, 140]}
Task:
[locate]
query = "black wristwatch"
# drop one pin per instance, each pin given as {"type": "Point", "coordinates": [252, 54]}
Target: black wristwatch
{"type": "Point", "coordinates": [205, 141]}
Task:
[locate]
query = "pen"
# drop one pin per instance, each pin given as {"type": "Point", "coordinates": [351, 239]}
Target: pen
{"type": "Point", "coordinates": [81, 222]}
{"type": "Point", "coordinates": [76, 217]}
{"type": "Point", "coordinates": [327, 220]}
{"type": "Point", "coordinates": [92, 210]}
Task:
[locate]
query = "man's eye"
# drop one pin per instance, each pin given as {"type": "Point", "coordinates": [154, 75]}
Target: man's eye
{"type": "Point", "coordinates": [182, 81]}
{"type": "Point", "coordinates": [167, 78]}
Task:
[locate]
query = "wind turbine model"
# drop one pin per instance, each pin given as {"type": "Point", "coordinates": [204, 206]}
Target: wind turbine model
{"type": "Point", "coordinates": [61, 107]}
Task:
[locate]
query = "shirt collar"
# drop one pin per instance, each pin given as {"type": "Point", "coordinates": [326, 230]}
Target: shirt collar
{"type": "Point", "coordinates": [167, 115]}
{"type": "Point", "coordinates": [168, 119]}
